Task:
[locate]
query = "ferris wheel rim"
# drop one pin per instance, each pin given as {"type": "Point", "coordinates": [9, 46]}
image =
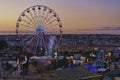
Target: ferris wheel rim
{"type": "Point", "coordinates": [46, 35]}
{"type": "Point", "coordinates": [60, 23]}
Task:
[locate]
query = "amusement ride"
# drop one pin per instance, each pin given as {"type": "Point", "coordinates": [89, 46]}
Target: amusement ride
{"type": "Point", "coordinates": [39, 30]}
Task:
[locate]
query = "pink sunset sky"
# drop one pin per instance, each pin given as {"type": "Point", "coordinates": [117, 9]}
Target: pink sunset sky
{"type": "Point", "coordinates": [77, 16]}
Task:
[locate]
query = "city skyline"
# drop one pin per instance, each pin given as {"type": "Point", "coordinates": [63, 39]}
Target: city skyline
{"type": "Point", "coordinates": [83, 16]}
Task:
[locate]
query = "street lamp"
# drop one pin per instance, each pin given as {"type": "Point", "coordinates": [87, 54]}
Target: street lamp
{"type": "Point", "coordinates": [56, 54]}
{"type": "Point", "coordinates": [109, 59]}
{"type": "Point", "coordinates": [109, 54]}
{"type": "Point", "coordinates": [41, 48]}
{"type": "Point", "coordinates": [118, 48]}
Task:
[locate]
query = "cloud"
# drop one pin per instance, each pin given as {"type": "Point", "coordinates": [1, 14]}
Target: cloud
{"type": "Point", "coordinates": [109, 28]}
{"type": "Point", "coordinates": [100, 29]}
{"type": "Point", "coordinates": [86, 29]}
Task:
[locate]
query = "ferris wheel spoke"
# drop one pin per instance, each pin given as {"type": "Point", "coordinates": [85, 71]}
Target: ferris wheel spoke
{"type": "Point", "coordinates": [37, 43]}
{"type": "Point", "coordinates": [44, 42]}
{"type": "Point", "coordinates": [30, 40]}
{"type": "Point", "coordinates": [40, 43]}
{"type": "Point", "coordinates": [31, 46]}
{"type": "Point", "coordinates": [50, 22]}
{"type": "Point", "coordinates": [43, 14]}
{"type": "Point", "coordinates": [29, 37]}
{"type": "Point", "coordinates": [35, 46]}
{"type": "Point", "coordinates": [28, 23]}
{"type": "Point", "coordinates": [47, 37]}
{"type": "Point", "coordinates": [40, 16]}
{"type": "Point", "coordinates": [26, 26]}
{"type": "Point", "coordinates": [30, 20]}
{"type": "Point", "coordinates": [37, 17]}
{"type": "Point", "coordinates": [30, 43]}
{"type": "Point", "coordinates": [39, 13]}
{"type": "Point", "coordinates": [48, 19]}
{"type": "Point", "coordinates": [45, 17]}
{"type": "Point", "coordinates": [33, 18]}
{"type": "Point", "coordinates": [40, 23]}
{"type": "Point", "coordinates": [35, 13]}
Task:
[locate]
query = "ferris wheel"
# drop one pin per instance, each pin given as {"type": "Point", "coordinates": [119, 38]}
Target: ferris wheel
{"type": "Point", "coordinates": [38, 28]}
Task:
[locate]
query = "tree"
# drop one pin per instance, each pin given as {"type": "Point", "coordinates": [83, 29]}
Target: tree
{"type": "Point", "coordinates": [3, 45]}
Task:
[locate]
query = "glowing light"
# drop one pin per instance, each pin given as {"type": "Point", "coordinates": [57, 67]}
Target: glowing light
{"type": "Point", "coordinates": [55, 53]}
{"type": "Point", "coordinates": [109, 54]}
{"type": "Point", "coordinates": [41, 49]}
{"type": "Point", "coordinates": [40, 29]}
{"type": "Point", "coordinates": [94, 69]}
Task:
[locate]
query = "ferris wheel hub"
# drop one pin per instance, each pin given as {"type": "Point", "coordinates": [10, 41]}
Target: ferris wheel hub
{"type": "Point", "coordinates": [40, 29]}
